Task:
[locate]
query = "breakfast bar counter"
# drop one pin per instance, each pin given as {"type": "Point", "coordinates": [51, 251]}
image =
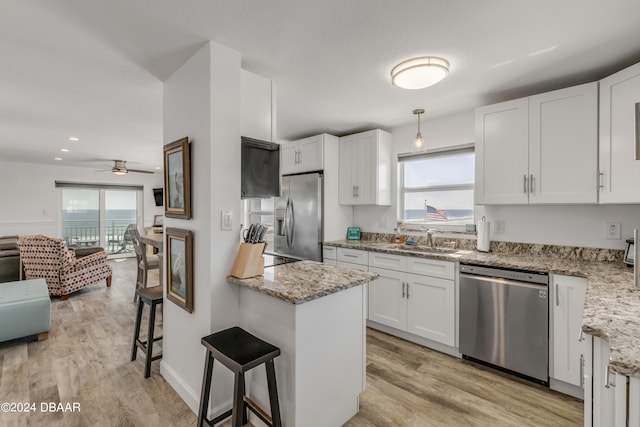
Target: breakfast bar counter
{"type": "Point", "coordinates": [315, 314]}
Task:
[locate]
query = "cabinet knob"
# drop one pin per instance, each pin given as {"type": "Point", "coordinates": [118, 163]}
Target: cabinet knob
{"type": "Point", "coordinates": [526, 188]}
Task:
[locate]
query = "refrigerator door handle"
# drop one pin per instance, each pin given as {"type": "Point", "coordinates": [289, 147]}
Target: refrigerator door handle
{"type": "Point", "coordinates": [286, 223]}
{"type": "Point", "coordinates": [292, 223]}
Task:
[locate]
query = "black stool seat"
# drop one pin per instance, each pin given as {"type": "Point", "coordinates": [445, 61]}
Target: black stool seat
{"type": "Point", "coordinates": [239, 351]}
{"type": "Point", "coordinates": [153, 297]}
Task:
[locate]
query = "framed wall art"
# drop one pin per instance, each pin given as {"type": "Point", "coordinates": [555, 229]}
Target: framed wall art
{"type": "Point", "coordinates": [179, 267]}
{"type": "Point", "coordinates": [177, 179]}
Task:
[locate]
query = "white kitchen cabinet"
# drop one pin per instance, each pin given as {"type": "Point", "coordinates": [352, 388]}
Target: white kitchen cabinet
{"type": "Point", "coordinates": [604, 386]}
{"type": "Point", "coordinates": [568, 352]}
{"type": "Point", "coordinates": [538, 150]}
{"type": "Point", "coordinates": [387, 302]}
{"type": "Point", "coordinates": [563, 146]}
{"type": "Point", "coordinates": [303, 155]}
{"type": "Point", "coordinates": [619, 152]}
{"type": "Point", "coordinates": [329, 254]}
{"type": "Point", "coordinates": [502, 138]}
{"type": "Point", "coordinates": [419, 304]}
{"type": "Point", "coordinates": [365, 168]}
{"type": "Point", "coordinates": [431, 308]}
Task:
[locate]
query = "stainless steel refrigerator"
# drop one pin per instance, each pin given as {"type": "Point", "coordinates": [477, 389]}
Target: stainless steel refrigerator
{"type": "Point", "coordinates": [298, 215]}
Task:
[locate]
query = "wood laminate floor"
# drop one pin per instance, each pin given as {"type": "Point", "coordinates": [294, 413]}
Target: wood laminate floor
{"type": "Point", "coordinates": [86, 361]}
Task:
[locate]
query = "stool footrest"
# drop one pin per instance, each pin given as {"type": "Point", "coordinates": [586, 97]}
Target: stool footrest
{"type": "Point", "coordinates": [219, 418]}
{"type": "Point", "coordinates": [253, 407]}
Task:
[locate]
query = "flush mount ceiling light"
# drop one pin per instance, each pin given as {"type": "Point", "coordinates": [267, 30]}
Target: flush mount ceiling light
{"type": "Point", "coordinates": [418, 73]}
{"type": "Point", "coordinates": [418, 143]}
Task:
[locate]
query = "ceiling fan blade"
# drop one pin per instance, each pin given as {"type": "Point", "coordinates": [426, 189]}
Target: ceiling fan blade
{"type": "Point", "coordinates": [138, 171]}
{"type": "Point", "coordinates": [103, 170]}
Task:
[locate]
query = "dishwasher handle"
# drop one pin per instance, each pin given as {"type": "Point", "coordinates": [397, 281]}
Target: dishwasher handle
{"type": "Point", "coordinates": [502, 281]}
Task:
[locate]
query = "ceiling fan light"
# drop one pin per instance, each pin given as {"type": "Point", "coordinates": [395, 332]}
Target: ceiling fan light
{"type": "Point", "coordinates": [119, 172]}
{"type": "Point", "coordinates": [419, 73]}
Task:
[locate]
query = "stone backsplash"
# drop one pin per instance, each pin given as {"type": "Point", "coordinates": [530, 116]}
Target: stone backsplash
{"type": "Point", "coordinates": [576, 253]}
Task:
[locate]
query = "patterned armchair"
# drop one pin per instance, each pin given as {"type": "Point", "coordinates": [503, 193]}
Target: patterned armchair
{"type": "Point", "coordinates": [50, 259]}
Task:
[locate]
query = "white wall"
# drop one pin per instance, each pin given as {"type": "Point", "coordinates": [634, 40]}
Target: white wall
{"type": "Point", "coordinates": [582, 225]}
{"type": "Point", "coordinates": [202, 101]}
{"type": "Point", "coordinates": [450, 130]}
{"type": "Point", "coordinates": [29, 201]}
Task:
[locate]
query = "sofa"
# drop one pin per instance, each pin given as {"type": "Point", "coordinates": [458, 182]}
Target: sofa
{"type": "Point", "coordinates": [9, 259]}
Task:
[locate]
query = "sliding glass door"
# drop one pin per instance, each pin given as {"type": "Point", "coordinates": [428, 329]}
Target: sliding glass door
{"type": "Point", "coordinates": [100, 217]}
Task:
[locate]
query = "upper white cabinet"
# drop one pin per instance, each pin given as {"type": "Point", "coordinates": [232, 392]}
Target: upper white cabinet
{"type": "Point", "coordinates": [619, 137]}
{"type": "Point", "coordinates": [303, 155]}
{"type": "Point", "coordinates": [568, 352]}
{"type": "Point", "coordinates": [365, 168]}
{"type": "Point", "coordinates": [541, 149]}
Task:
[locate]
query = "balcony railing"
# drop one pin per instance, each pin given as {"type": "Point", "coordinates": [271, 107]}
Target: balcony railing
{"type": "Point", "coordinates": [78, 234]}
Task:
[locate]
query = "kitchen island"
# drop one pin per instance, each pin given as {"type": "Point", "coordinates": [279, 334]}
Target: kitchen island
{"type": "Point", "coordinates": [315, 314]}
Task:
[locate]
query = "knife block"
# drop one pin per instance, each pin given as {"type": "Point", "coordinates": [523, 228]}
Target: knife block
{"type": "Point", "coordinates": [249, 261]}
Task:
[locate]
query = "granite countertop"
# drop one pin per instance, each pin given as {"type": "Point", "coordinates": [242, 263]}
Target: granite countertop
{"type": "Point", "coordinates": [303, 281]}
{"type": "Point", "coordinates": [611, 309]}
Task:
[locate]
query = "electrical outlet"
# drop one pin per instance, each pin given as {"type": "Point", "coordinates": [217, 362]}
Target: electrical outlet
{"type": "Point", "coordinates": [382, 222]}
{"type": "Point", "coordinates": [498, 225]}
{"type": "Point", "coordinates": [612, 230]}
{"type": "Point", "coordinates": [226, 220]}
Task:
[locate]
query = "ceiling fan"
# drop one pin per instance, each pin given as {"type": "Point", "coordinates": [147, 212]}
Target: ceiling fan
{"type": "Point", "coordinates": [120, 168]}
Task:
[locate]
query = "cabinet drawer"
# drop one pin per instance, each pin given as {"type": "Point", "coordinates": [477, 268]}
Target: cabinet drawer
{"type": "Point", "coordinates": [390, 262]}
{"type": "Point", "coordinates": [330, 261]}
{"type": "Point", "coordinates": [329, 252]}
{"type": "Point", "coordinates": [353, 256]}
{"type": "Point", "coordinates": [431, 267]}
{"type": "Point", "coordinates": [352, 266]}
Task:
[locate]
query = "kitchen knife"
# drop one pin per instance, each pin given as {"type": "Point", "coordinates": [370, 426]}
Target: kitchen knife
{"type": "Point", "coordinates": [263, 230]}
{"type": "Point", "coordinates": [250, 233]}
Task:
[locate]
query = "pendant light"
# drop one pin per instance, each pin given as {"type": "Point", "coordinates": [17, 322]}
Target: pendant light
{"type": "Point", "coordinates": [418, 143]}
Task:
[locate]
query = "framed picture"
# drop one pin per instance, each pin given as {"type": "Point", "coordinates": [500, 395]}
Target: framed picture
{"type": "Point", "coordinates": [177, 179]}
{"type": "Point", "coordinates": [179, 247]}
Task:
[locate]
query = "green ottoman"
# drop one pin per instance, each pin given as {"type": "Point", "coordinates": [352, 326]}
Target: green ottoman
{"type": "Point", "coordinates": [25, 309]}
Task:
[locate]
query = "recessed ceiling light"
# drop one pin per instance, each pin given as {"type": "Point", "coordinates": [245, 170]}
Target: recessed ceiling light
{"type": "Point", "coordinates": [418, 73]}
{"type": "Point", "coordinates": [57, 158]}
{"type": "Point", "coordinates": [73, 138]}
{"type": "Point", "coordinates": [158, 167]}
{"type": "Point", "coordinates": [64, 150]}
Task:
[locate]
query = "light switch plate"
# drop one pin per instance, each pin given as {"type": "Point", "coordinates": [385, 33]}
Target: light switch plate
{"type": "Point", "coordinates": [226, 220]}
{"type": "Point", "coordinates": [612, 230]}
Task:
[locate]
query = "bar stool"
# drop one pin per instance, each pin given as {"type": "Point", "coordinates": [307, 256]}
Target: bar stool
{"type": "Point", "coordinates": [153, 297]}
{"type": "Point", "coordinates": [239, 351]}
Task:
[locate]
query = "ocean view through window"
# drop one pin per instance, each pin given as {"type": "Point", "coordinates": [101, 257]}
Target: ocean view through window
{"type": "Point", "coordinates": [436, 188]}
{"type": "Point", "coordinates": [99, 217]}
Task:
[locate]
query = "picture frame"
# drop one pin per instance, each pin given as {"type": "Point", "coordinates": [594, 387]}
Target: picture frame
{"type": "Point", "coordinates": [179, 267]}
{"type": "Point", "coordinates": [177, 179]}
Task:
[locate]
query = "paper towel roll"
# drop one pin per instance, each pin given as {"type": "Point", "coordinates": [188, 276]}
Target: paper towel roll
{"type": "Point", "coordinates": [483, 235]}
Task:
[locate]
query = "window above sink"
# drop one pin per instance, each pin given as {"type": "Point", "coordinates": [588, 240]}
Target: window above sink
{"type": "Point", "coordinates": [436, 189]}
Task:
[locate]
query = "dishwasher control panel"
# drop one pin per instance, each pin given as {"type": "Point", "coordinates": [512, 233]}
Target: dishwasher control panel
{"type": "Point", "coordinates": [518, 275]}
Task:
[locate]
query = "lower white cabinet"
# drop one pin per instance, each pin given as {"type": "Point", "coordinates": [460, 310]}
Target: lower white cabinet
{"type": "Point", "coordinates": [329, 254]}
{"type": "Point", "coordinates": [568, 305]}
{"type": "Point", "coordinates": [614, 398]}
{"type": "Point", "coordinates": [419, 304]}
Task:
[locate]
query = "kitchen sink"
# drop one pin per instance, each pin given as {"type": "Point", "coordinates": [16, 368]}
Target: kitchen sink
{"type": "Point", "coordinates": [422, 249]}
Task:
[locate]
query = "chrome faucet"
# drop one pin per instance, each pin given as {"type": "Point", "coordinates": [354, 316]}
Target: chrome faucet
{"type": "Point", "coordinates": [429, 235]}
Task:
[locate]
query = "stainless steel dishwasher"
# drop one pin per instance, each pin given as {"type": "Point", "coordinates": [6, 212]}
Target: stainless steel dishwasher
{"type": "Point", "coordinates": [504, 319]}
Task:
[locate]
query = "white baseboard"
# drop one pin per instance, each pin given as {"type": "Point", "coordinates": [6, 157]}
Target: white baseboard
{"type": "Point", "coordinates": [191, 398]}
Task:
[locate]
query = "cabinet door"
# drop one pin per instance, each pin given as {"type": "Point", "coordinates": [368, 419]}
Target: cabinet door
{"type": "Point", "coordinates": [603, 387]}
{"type": "Point", "coordinates": [568, 304]}
{"type": "Point", "coordinates": [347, 175]}
{"type": "Point", "coordinates": [289, 158]}
{"type": "Point", "coordinates": [588, 381]}
{"type": "Point", "coordinates": [619, 145]}
{"type": "Point", "coordinates": [387, 302]}
{"type": "Point", "coordinates": [502, 153]}
{"type": "Point", "coordinates": [366, 167]}
{"type": "Point", "coordinates": [310, 154]}
{"type": "Point", "coordinates": [563, 145]}
{"type": "Point", "coordinates": [431, 308]}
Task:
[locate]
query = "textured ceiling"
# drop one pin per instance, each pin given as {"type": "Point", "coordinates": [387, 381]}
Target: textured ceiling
{"type": "Point", "coordinates": [94, 69]}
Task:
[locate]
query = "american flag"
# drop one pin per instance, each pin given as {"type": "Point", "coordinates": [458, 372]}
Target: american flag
{"type": "Point", "coordinates": [434, 214]}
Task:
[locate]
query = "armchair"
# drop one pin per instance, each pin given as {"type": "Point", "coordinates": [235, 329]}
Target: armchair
{"type": "Point", "coordinates": [50, 259]}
